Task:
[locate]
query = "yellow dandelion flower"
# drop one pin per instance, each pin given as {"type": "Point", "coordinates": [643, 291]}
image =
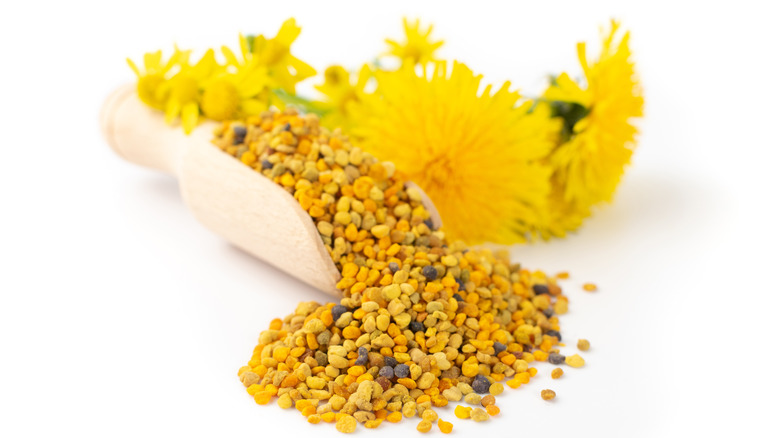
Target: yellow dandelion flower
{"type": "Point", "coordinates": [247, 86]}
{"type": "Point", "coordinates": [475, 153]}
{"type": "Point", "coordinates": [599, 137]}
{"type": "Point", "coordinates": [284, 69]}
{"type": "Point", "coordinates": [340, 94]}
{"type": "Point", "coordinates": [233, 95]}
{"type": "Point", "coordinates": [153, 76]}
{"type": "Point", "coordinates": [563, 216]}
{"type": "Point", "coordinates": [183, 89]}
{"type": "Point", "coordinates": [417, 48]}
{"type": "Point", "coordinates": [240, 87]}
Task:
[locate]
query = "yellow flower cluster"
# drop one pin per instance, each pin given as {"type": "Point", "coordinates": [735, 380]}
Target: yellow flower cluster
{"type": "Point", "coordinates": [242, 85]}
{"type": "Point", "coordinates": [417, 48]}
{"type": "Point", "coordinates": [499, 166]}
{"type": "Point", "coordinates": [340, 93]}
{"type": "Point", "coordinates": [341, 90]}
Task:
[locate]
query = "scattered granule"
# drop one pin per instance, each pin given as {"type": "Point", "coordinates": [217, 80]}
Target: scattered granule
{"type": "Point", "coordinates": [445, 426]}
{"type": "Point", "coordinates": [430, 415]}
{"type": "Point", "coordinates": [524, 377]}
{"type": "Point", "coordinates": [263, 397]}
{"type": "Point", "coordinates": [394, 417]}
{"type": "Point", "coordinates": [473, 398]}
{"type": "Point", "coordinates": [562, 275]}
{"type": "Point", "coordinates": [514, 383]}
{"type": "Point", "coordinates": [496, 388]}
{"type": "Point", "coordinates": [452, 394]}
{"type": "Point", "coordinates": [463, 412]}
{"type": "Point", "coordinates": [590, 287]}
{"type": "Point", "coordinates": [346, 424]}
{"type": "Point", "coordinates": [302, 404]}
{"type": "Point", "coordinates": [426, 380]}
{"type": "Point", "coordinates": [249, 378]}
{"type": "Point", "coordinates": [583, 345]}
{"type": "Point", "coordinates": [479, 415]}
{"type": "Point", "coordinates": [465, 388]}
{"type": "Point", "coordinates": [488, 400]}
{"type": "Point", "coordinates": [548, 394]}
{"type": "Point", "coordinates": [561, 307]}
{"type": "Point", "coordinates": [337, 402]}
{"type": "Point", "coordinates": [575, 361]}
{"type": "Point", "coordinates": [424, 426]}
{"type": "Point", "coordinates": [556, 373]}
{"type": "Point", "coordinates": [253, 389]}
{"type": "Point", "coordinates": [492, 410]}
{"type": "Point", "coordinates": [401, 370]}
{"type": "Point", "coordinates": [430, 272]}
{"type": "Point", "coordinates": [314, 419]}
{"type": "Point", "coordinates": [556, 358]}
{"type": "Point", "coordinates": [363, 416]}
{"type": "Point", "coordinates": [481, 384]}
{"type": "Point", "coordinates": [285, 402]}
{"type": "Point", "coordinates": [373, 424]}
{"type": "Point", "coordinates": [243, 369]}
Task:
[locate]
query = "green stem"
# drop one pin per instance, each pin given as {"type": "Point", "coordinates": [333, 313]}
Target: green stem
{"type": "Point", "coordinates": [298, 101]}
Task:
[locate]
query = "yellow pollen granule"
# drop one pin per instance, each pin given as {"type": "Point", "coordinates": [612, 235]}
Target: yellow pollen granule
{"type": "Point", "coordinates": [444, 426]}
{"type": "Point", "coordinates": [462, 412]}
{"type": "Point", "coordinates": [346, 424]}
{"type": "Point", "coordinates": [424, 426]}
{"type": "Point", "coordinates": [575, 361]}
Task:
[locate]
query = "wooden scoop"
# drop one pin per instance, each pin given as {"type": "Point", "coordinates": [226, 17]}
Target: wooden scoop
{"type": "Point", "coordinates": [228, 197]}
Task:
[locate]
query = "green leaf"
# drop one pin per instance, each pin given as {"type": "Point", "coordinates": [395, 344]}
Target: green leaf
{"type": "Point", "coordinates": [571, 113]}
{"type": "Point", "coordinates": [301, 103]}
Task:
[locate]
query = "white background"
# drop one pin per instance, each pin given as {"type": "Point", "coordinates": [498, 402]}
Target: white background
{"type": "Point", "coordinates": [120, 315]}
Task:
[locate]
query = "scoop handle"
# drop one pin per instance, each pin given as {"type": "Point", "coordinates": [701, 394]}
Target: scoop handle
{"type": "Point", "coordinates": [228, 197]}
{"type": "Point", "coordinates": [139, 134]}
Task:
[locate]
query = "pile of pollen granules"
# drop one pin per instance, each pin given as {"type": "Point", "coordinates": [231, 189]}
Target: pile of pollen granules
{"type": "Point", "coordinates": [423, 322]}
